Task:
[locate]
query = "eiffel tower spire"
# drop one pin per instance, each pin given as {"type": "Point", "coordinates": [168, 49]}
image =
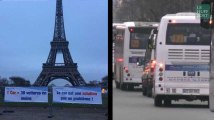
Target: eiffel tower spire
{"type": "Point", "coordinates": [59, 30]}
{"type": "Point", "coordinates": [52, 70]}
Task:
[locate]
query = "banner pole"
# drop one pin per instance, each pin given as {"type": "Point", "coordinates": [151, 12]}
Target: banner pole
{"type": "Point", "coordinates": [50, 112]}
{"type": "Point", "coordinates": [2, 92]}
{"type": "Point", "coordinates": [4, 105]}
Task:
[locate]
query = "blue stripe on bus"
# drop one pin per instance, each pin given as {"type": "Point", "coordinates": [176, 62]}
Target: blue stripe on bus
{"type": "Point", "coordinates": [135, 59]}
{"type": "Point", "coordinates": [187, 67]}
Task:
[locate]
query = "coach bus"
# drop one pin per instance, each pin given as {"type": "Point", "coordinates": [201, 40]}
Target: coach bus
{"type": "Point", "coordinates": [182, 60]}
{"type": "Point", "coordinates": [130, 46]}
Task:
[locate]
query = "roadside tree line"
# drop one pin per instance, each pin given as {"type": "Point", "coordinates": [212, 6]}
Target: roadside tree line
{"type": "Point", "coordinates": [14, 81]}
{"type": "Point", "coordinates": [150, 10]}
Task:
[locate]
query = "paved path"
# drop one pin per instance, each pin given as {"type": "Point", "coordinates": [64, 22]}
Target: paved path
{"type": "Point", "coordinates": [39, 113]}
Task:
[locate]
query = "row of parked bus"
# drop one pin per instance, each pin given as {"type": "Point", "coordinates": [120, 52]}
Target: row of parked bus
{"type": "Point", "coordinates": [170, 59]}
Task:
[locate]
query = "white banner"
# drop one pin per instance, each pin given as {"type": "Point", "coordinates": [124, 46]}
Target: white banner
{"type": "Point", "coordinates": [82, 95]}
{"type": "Point", "coordinates": [26, 94]}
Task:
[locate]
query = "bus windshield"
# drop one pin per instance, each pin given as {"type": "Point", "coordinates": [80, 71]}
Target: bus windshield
{"type": "Point", "coordinates": [139, 38]}
{"type": "Point", "coordinates": [187, 34]}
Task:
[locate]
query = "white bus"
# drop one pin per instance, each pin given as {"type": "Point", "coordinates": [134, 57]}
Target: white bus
{"type": "Point", "coordinates": [113, 43]}
{"type": "Point", "coordinates": [130, 46]}
{"type": "Point", "coordinates": [211, 97]}
{"type": "Point", "coordinates": [182, 59]}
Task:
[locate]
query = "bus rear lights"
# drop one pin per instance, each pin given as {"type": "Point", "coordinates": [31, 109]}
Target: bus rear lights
{"type": "Point", "coordinates": [210, 22]}
{"type": "Point", "coordinates": [153, 62]}
{"type": "Point", "coordinates": [119, 60]}
{"type": "Point", "coordinates": [172, 21]}
{"type": "Point", "coordinates": [160, 74]}
{"type": "Point", "coordinates": [161, 65]}
{"type": "Point", "coordinates": [126, 69]}
{"type": "Point", "coordinates": [160, 78]}
{"type": "Point", "coordinates": [131, 29]}
{"type": "Point", "coordinates": [160, 69]}
{"type": "Point", "coordinates": [152, 69]}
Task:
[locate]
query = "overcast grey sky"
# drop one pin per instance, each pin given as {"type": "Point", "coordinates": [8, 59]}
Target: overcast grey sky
{"type": "Point", "coordinates": [26, 30]}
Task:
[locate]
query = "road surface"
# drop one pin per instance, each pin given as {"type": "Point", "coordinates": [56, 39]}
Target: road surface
{"type": "Point", "coordinates": [131, 105]}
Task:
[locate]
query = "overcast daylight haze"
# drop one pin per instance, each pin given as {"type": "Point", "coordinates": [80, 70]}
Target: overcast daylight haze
{"type": "Point", "coordinates": [27, 27]}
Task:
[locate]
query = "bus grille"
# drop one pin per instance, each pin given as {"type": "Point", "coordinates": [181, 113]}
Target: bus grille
{"type": "Point", "coordinates": [189, 54]}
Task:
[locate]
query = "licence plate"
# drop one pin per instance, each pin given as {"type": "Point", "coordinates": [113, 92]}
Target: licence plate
{"type": "Point", "coordinates": [191, 73]}
{"type": "Point", "coordinates": [191, 90]}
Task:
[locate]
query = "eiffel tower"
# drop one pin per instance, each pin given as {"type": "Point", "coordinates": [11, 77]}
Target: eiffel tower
{"type": "Point", "coordinates": [52, 70]}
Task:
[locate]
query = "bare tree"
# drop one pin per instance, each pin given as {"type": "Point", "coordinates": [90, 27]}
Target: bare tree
{"type": "Point", "coordinates": [4, 82]}
{"type": "Point", "coordinates": [151, 10]}
{"type": "Point", "coordinates": [19, 81]}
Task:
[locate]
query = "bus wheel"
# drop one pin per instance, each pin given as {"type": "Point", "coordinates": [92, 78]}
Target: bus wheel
{"type": "Point", "coordinates": [167, 102]}
{"type": "Point", "coordinates": [157, 101]}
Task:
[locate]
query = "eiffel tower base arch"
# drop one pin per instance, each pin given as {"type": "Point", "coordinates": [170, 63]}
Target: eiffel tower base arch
{"type": "Point", "coordinates": [51, 73]}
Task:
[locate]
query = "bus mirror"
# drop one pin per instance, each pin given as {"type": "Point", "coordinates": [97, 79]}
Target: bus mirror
{"type": "Point", "coordinates": [151, 44]}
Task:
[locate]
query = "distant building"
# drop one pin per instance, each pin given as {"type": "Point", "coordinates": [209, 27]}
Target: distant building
{"type": "Point", "coordinates": [104, 83]}
{"type": "Point", "coordinates": [94, 82]}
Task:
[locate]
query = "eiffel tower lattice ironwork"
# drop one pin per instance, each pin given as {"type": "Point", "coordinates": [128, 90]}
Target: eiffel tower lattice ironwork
{"type": "Point", "coordinates": [52, 70]}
